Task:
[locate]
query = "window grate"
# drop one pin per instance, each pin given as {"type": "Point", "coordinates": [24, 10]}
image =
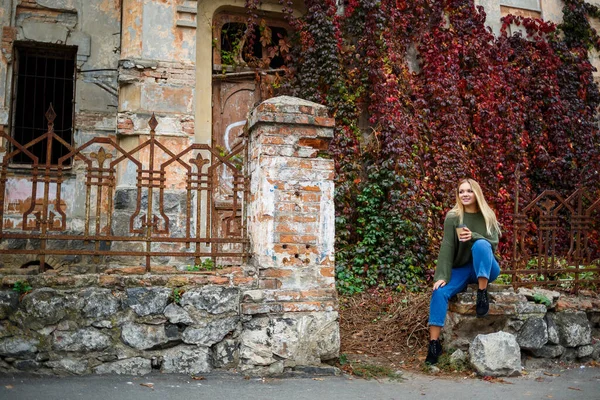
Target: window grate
{"type": "Point", "coordinates": [43, 76]}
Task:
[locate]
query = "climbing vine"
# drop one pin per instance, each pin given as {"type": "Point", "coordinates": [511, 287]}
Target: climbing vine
{"type": "Point", "coordinates": [423, 95]}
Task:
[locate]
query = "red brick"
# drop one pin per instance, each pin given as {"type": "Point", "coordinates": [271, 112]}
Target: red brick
{"type": "Point", "coordinates": [287, 207]}
{"type": "Point", "coordinates": [311, 208]}
{"type": "Point", "coordinates": [285, 228]}
{"type": "Point", "coordinates": [176, 281]}
{"type": "Point", "coordinates": [109, 281]}
{"type": "Point", "coordinates": [250, 308]}
{"type": "Point", "coordinates": [159, 269]}
{"type": "Point", "coordinates": [9, 33]}
{"type": "Point", "coordinates": [318, 294]}
{"type": "Point", "coordinates": [269, 284]}
{"type": "Point", "coordinates": [292, 261]}
{"type": "Point", "coordinates": [198, 280]}
{"type": "Point", "coordinates": [310, 306]}
{"type": "Point", "coordinates": [277, 140]}
{"type": "Point", "coordinates": [311, 197]}
{"type": "Point", "coordinates": [230, 271]}
{"type": "Point", "coordinates": [275, 273]}
{"type": "Point", "coordinates": [325, 121]}
{"type": "Point", "coordinates": [307, 239]}
{"type": "Point", "coordinates": [218, 280]}
{"type": "Point", "coordinates": [295, 218]}
{"type": "Point", "coordinates": [328, 272]}
{"type": "Point", "coordinates": [283, 295]}
{"type": "Point", "coordinates": [243, 281]}
{"type": "Point", "coordinates": [289, 248]}
{"type": "Point", "coordinates": [126, 271]}
{"type": "Point", "coordinates": [311, 188]}
{"type": "Point", "coordinates": [188, 127]}
{"type": "Point", "coordinates": [319, 144]}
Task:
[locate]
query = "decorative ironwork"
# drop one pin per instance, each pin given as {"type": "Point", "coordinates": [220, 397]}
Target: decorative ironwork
{"type": "Point", "coordinates": [555, 241]}
{"type": "Point", "coordinates": [47, 219]}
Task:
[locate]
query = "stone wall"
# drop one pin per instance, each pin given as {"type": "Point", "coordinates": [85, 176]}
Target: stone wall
{"type": "Point", "coordinates": [276, 313]}
{"type": "Point", "coordinates": [548, 325]}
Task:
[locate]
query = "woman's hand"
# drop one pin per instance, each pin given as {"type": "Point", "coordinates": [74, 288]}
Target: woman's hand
{"type": "Point", "coordinates": [439, 284]}
{"type": "Point", "coordinates": [465, 235]}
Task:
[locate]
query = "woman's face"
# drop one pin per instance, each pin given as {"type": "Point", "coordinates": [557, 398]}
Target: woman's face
{"type": "Point", "coordinates": [466, 196]}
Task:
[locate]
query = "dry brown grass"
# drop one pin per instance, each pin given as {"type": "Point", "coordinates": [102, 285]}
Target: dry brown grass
{"type": "Point", "coordinates": [385, 325]}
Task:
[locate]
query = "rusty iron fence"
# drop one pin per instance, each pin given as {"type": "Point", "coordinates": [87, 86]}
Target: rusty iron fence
{"type": "Point", "coordinates": [556, 241]}
{"type": "Point", "coordinates": [150, 203]}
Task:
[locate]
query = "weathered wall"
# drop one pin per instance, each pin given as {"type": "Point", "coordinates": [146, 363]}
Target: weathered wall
{"type": "Point", "coordinates": [94, 27]}
{"type": "Point", "coordinates": [204, 59]}
{"type": "Point", "coordinates": [275, 314]}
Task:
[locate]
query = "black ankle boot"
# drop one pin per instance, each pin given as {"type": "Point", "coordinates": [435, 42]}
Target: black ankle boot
{"type": "Point", "coordinates": [433, 352]}
{"type": "Point", "coordinates": [483, 305]}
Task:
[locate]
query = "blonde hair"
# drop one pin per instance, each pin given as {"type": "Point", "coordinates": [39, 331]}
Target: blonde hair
{"type": "Point", "coordinates": [489, 216]}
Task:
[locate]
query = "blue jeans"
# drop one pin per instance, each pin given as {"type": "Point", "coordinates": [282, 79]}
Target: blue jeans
{"type": "Point", "coordinates": [483, 265]}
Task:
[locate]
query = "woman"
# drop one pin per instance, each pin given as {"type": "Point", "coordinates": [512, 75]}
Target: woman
{"type": "Point", "coordinates": [471, 233]}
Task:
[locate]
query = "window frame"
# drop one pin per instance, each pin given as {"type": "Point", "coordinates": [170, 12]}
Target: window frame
{"type": "Point", "coordinates": [45, 51]}
{"type": "Point", "coordinates": [224, 17]}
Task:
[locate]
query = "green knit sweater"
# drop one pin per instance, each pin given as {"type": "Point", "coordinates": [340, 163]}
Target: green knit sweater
{"type": "Point", "coordinates": [456, 254]}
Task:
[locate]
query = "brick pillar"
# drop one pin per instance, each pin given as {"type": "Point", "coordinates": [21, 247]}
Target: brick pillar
{"type": "Point", "coordinates": [291, 212]}
{"type": "Point", "coordinates": [291, 228]}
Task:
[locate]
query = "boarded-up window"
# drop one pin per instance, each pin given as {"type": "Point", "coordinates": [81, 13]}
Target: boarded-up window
{"type": "Point", "coordinates": [521, 8]}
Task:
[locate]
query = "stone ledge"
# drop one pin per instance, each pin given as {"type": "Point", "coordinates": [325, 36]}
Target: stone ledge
{"type": "Point", "coordinates": [285, 307]}
{"type": "Point", "coordinates": [289, 110]}
{"type": "Point", "coordinates": [505, 301]}
{"type": "Point", "coordinates": [288, 118]}
{"type": "Point", "coordinates": [131, 280]}
{"type": "Point", "coordinates": [186, 24]}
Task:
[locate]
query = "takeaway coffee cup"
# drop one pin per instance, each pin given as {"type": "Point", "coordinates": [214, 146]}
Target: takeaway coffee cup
{"type": "Point", "coordinates": [459, 229]}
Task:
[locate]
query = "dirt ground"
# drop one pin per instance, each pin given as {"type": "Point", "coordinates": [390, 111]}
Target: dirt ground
{"type": "Point", "coordinates": [384, 328]}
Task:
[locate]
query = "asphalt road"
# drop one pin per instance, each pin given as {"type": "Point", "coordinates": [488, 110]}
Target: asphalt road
{"type": "Point", "coordinates": [577, 383]}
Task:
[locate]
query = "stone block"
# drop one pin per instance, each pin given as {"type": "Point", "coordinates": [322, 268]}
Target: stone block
{"type": "Point", "coordinates": [210, 332]}
{"type": "Point", "coordinates": [125, 198]}
{"type": "Point", "coordinates": [129, 366]}
{"type": "Point", "coordinates": [548, 351]}
{"type": "Point", "coordinates": [299, 339]}
{"type": "Point", "coordinates": [43, 307]}
{"type": "Point", "coordinates": [26, 365]}
{"type": "Point", "coordinates": [18, 347]}
{"type": "Point", "coordinates": [144, 337]}
{"type": "Point", "coordinates": [69, 365]}
{"type": "Point", "coordinates": [226, 354]}
{"type": "Point", "coordinates": [533, 334]}
{"type": "Point", "coordinates": [569, 355]}
{"type": "Point", "coordinates": [496, 354]}
{"type": "Point", "coordinates": [532, 293]}
{"type": "Point", "coordinates": [213, 299]}
{"type": "Point", "coordinates": [178, 315]}
{"type": "Point", "coordinates": [585, 351]}
{"type": "Point", "coordinates": [573, 328]}
{"type": "Point", "coordinates": [191, 360]}
{"type": "Point", "coordinates": [9, 301]}
{"type": "Point", "coordinates": [553, 337]}
{"type": "Point", "coordinates": [99, 303]}
{"type": "Point", "coordinates": [87, 339]}
{"type": "Point", "coordinates": [146, 301]}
